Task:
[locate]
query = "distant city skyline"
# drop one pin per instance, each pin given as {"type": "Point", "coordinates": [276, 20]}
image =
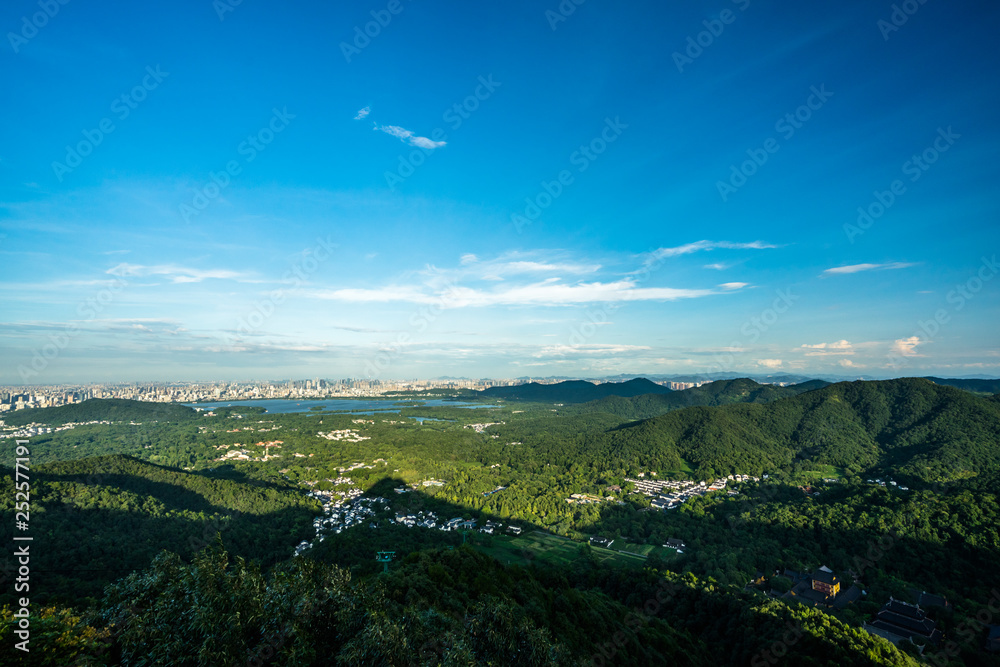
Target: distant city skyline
{"type": "Point", "coordinates": [371, 387]}
{"type": "Point", "coordinates": [235, 191]}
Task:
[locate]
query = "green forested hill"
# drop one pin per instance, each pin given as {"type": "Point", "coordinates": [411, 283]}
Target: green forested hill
{"type": "Point", "coordinates": [110, 409]}
{"type": "Point", "coordinates": [911, 426]}
{"type": "Point", "coordinates": [721, 392]}
{"type": "Point", "coordinates": [573, 391]}
{"type": "Point", "coordinates": [97, 519]}
{"type": "Point", "coordinates": [976, 386]}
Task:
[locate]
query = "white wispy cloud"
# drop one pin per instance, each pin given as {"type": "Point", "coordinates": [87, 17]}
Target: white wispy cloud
{"type": "Point", "coordinates": [858, 268]}
{"type": "Point", "coordinates": [58, 285]}
{"type": "Point", "coordinates": [535, 278]}
{"type": "Point", "coordinates": [840, 347]}
{"type": "Point", "coordinates": [363, 113]}
{"type": "Point", "coordinates": [769, 363]}
{"type": "Point", "coordinates": [563, 350]}
{"type": "Point", "coordinates": [177, 274]}
{"type": "Point", "coordinates": [545, 293]}
{"type": "Point", "coordinates": [409, 137]}
{"type": "Point", "coordinates": [512, 264]}
{"type": "Point", "coordinates": [700, 246]}
{"type": "Point", "coordinates": [140, 325]}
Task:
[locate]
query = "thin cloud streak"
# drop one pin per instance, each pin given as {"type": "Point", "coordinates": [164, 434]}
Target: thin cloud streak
{"type": "Point", "coordinates": [409, 137]}
{"type": "Point", "coordinates": [703, 246]}
{"type": "Point", "coordinates": [177, 274]}
{"type": "Point", "coordinates": [858, 268]}
{"type": "Point", "coordinates": [546, 293]}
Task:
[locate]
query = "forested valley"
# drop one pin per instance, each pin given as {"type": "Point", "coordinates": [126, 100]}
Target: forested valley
{"type": "Point", "coordinates": [166, 513]}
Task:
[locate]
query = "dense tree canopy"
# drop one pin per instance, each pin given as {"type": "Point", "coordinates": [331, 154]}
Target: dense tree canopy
{"type": "Point", "coordinates": [107, 498]}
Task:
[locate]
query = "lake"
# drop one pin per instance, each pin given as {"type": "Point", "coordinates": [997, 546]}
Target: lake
{"type": "Point", "coordinates": [280, 406]}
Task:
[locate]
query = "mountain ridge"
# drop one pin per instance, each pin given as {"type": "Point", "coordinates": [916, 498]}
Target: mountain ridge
{"type": "Point", "coordinates": [720, 392]}
{"type": "Point", "coordinates": [922, 430]}
{"type": "Point", "coordinates": [574, 391]}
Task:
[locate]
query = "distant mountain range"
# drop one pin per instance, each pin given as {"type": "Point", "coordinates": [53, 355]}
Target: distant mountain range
{"type": "Point", "coordinates": [911, 426]}
{"type": "Point", "coordinates": [779, 378]}
{"type": "Point", "coordinates": [573, 391]}
{"type": "Point", "coordinates": [929, 429]}
{"type": "Point", "coordinates": [973, 385]}
{"type": "Point", "coordinates": [722, 392]}
{"type": "Point", "coordinates": [662, 399]}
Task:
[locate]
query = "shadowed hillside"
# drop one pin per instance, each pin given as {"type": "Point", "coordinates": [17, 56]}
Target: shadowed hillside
{"type": "Point", "coordinates": [99, 518]}
{"type": "Point", "coordinates": [448, 607]}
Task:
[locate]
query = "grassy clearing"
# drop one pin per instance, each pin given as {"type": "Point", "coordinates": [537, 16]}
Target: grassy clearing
{"type": "Point", "coordinates": [646, 550]}
{"type": "Point", "coordinates": [640, 549]}
{"type": "Point", "coordinates": [685, 471]}
{"type": "Point", "coordinates": [820, 470]}
{"type": "Point", "coordinates": [550, 549]}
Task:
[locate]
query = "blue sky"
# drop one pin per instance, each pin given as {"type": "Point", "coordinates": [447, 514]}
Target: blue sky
{"type": "Point", "coordinates": [196, 190]}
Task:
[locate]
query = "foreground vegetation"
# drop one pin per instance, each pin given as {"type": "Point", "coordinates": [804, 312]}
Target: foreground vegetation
{"type": "Point", "coordinates": [438, 608]}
